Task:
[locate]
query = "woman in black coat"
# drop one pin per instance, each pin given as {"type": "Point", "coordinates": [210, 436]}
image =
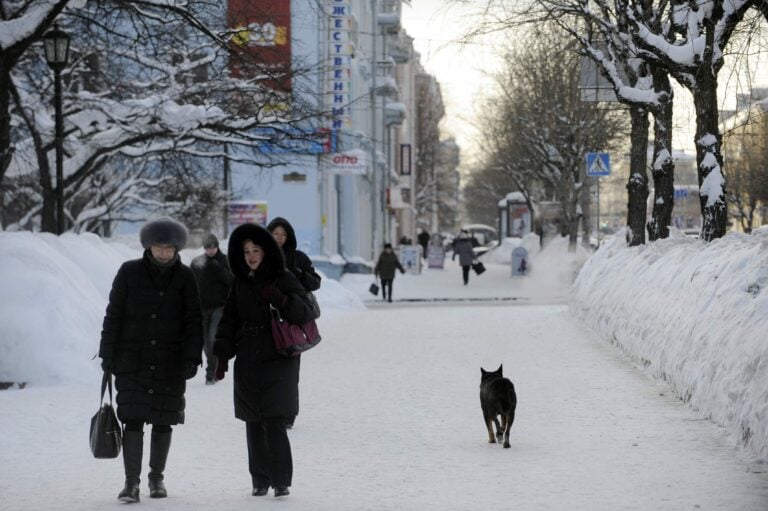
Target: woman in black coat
{"type": "Point", "coordinates": [265, 383]}
{"type": "Point", "coordinates": [299, 264]}
{"type": "Point", "coordinates": [152, 340]}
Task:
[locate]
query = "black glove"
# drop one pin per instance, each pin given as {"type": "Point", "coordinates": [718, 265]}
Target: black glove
{"type": "Point", "coordinates": [190, 370]}
{"type": "Point", "coordinates": [107, 365]}
{"type": "Point", "coordinates": [273, 295]}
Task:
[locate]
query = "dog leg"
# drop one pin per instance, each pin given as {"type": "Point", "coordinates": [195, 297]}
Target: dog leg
{"type": "Point", "coordinates": [499, 429]}
{"type": "Point", "coordinates": [509, 420]}
{"type": "Point", "coordinates": [491, 439]}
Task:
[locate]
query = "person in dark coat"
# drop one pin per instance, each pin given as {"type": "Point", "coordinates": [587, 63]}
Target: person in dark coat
{"type": "Point", "coordinates": [462, 246]}
{"type": "Point", "coordinates": [298, 263]}
{"type": "Point", "coordinates": [265, 383]}
{"type": "Point", "coordinates": [423, 239]}
{"type": "Point", "coordinates": [151, 341]}
{"type": "Point", "coordinates": [214, 279]}
{"type": "Point", "coordinates": [385, 269]}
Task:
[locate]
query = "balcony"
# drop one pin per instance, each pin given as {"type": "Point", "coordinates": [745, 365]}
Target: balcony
{"type": "Point", "coordinates": [388, 16]}
{"type": "Point", "coordinates": [394, 113]}
{"type": "Point", "coordinates": [400, 48]}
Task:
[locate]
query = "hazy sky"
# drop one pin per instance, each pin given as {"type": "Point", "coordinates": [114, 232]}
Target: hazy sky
{"type": "Point", "coordinates": [462, 71]}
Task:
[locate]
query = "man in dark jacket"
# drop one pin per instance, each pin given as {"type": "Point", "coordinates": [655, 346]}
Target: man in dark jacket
{"type": "Point", "coordinates": [214, 279]}
{"type": "Point", "coordinates": [151, 341]}
{"type": "Point", "coordinates": [385, 269]}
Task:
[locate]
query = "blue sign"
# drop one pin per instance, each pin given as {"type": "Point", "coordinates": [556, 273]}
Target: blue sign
{"type": "Point", "coordinates": [598, 164]}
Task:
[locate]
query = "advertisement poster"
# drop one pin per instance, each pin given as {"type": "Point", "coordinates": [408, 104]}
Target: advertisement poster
{"type": "Point", "coordinates": [410, 258]}
{"type": "Point", "coordinates": [241, 212]}
{"type": "Point", "coordinates": [262, 33]}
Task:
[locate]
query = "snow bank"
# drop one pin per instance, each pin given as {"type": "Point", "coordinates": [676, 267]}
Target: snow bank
{"type": "Point", "coordinates": [53, 294]}
{"type": "Point", "coordinates": [696, 315]}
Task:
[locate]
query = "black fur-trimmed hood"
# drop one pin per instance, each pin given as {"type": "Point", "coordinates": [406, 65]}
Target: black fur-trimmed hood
{"type": "Point", "coordinates": [273, 264]}
{"type": "Point", "coordinates": [290, 243]}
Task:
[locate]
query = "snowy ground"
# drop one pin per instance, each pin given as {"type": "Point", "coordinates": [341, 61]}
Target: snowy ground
{"type": "Point", "coordinates": [390, 416]}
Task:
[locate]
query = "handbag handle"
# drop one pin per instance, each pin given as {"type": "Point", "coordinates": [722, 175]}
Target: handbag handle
{"type": "Point", "coordinates": [106, 381]}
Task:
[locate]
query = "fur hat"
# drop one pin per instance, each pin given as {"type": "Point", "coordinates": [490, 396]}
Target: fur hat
{"type": "Point", "coordinates": [164, 231]}
{"type": "Point", "coordinates": [210, 241]}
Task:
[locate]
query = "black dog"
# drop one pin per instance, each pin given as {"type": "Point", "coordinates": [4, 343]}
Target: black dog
{"type": "Point", "coordinates": [497, 397]}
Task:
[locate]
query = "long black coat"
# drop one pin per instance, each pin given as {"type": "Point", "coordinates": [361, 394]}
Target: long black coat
{"type": "Point", "coordinates": [265, 383]}
{"type": "Point", "coordinates": [152, 328]}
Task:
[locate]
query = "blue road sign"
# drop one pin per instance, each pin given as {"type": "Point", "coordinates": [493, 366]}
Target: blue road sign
{"type": "Point", "coordinates": [598, 164]}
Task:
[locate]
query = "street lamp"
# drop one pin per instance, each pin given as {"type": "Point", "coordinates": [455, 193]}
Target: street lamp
{"type": "Point", "coordinates": [56, 44]}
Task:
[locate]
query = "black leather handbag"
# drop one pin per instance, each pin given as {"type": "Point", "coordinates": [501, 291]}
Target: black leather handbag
{"type": "Point", "coordinates": [479, 268]}
{"type": "Point", "coordinates": [106, 432]}
{"type": "Point", "coordinates": [374, 289]}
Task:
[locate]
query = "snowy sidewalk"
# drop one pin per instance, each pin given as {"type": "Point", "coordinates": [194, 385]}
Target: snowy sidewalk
{"type": "Point", "coordinates": [390, 420]}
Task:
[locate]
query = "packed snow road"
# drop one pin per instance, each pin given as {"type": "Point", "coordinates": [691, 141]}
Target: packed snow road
{"type": "Point", "coordinates": [390, 420]}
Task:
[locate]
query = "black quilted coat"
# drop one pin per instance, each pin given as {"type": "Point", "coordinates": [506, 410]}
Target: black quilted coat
{"type": "Point", "coordinates": [153, 327]}
{"type": "Point", "coordinates": [266, 384]}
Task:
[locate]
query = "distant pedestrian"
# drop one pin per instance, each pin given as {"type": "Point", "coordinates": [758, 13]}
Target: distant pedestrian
{"type": "Point", "coordinates": [266, 389]}
{"type": "Point", "coordinates": [385, 269]}
{"type": "Point", "coordinates": [151, 341]}
{"type": "Point", "coordinates": [298, 263]}
{"type": "Point", "coordinates": [214, 279]}
{"type": "Point", "coordinates": [423, 239]}
{"type": "Point", "coordinates": [462, 246]}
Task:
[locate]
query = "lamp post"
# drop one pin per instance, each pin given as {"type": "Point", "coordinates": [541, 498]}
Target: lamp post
{"type": "Point", "coordinates": [56, 44]}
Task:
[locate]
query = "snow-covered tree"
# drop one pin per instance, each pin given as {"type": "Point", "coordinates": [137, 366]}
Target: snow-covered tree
{"type": "Point", "coordinates": [536, 131]}
{"type": "Point", "coordinates": [146, 79]}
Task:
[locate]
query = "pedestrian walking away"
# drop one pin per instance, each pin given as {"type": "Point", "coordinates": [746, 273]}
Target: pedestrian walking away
{"type": "Point", "coordinates": [265, 383]}
{"type": "Point", "coordinates": [423, 239]}
{"type": "Point", "coordinates": [298, 263]}
{"type": "Point", "coordinates": [213, 279]}
{"type": "Point", "coordinates": [385, 269]}
{"type": "Point", "coordinates": [151, 341]}
{"type": "Point", "coordinates": [462, 247]}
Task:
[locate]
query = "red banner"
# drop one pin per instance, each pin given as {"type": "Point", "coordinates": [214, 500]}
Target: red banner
{"type": "Point", "coordinates": [261, 36]}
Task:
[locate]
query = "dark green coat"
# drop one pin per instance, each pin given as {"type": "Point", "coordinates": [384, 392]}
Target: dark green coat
{"type": "Point", "coordinates": [387, 264]}
{"type": "Point", "coordinates": [152, 328]}
{"type": "Point", "coordinates": [214, 278]}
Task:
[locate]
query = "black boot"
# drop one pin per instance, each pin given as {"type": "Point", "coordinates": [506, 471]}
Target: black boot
{"type": "Point", "coordinates": [158, 454]}
{"type": "Point", "coordinates": [133, 446]}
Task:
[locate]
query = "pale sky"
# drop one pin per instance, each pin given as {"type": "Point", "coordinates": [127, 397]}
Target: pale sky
{"type": "Point", "coordinates": [462, 71]}
{"type": "Point", "coordinates": [436, 28]}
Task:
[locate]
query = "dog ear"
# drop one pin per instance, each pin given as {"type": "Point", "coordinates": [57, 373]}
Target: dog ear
{"type": "Point", "coordinates": [482, 371]}
{"type": "Point", "coordinates": [500, 370]}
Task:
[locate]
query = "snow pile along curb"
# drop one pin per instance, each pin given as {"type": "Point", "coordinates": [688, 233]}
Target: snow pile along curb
{"type": "Point", "coordinates": [696, 315]}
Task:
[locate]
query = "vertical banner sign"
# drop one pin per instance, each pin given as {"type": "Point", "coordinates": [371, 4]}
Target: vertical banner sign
{"type": "Point", "coordinates": [405, 159]}
{"type": "Point", "coordinates": [261, 30]}
{"type": "Point", "coordinates": [340, 51]}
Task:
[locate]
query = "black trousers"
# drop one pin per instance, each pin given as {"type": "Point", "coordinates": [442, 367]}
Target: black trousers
{"type": "Point", "coordinates": [269, 453]}
{"type": "Point", "coordinates": [465, 273]}
{"type": "Point", "coordinates": [386, 284]}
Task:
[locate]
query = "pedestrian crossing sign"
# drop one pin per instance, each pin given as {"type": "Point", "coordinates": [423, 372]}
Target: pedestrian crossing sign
{"type": "Point", "coordinates": [598, 164]}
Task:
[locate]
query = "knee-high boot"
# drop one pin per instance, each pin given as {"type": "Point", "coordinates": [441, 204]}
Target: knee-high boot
{"type": "Point", "coordinates": [158, 455]}
{"type": "Point", "coordinates": [133, 446]}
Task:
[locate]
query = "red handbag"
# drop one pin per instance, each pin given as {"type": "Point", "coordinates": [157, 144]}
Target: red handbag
{"type": "Point", "coordinates": [293, 340]}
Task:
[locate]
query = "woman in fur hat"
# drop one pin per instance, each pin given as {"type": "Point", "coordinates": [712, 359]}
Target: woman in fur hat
{"type": "Point", "coordinates": [266, 388]}
{"type": "Point", "coordinates": [152, 341]}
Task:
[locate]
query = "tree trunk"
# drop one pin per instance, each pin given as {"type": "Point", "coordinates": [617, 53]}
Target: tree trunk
{"type": "Point", "coordinates": [6, 150]}
{"type": "Point", "coordinates": [637, 185]}
{"type": "Point", "coordinates": [709, 157]}
{"type": "Point", "coordinates": [663, 168]}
